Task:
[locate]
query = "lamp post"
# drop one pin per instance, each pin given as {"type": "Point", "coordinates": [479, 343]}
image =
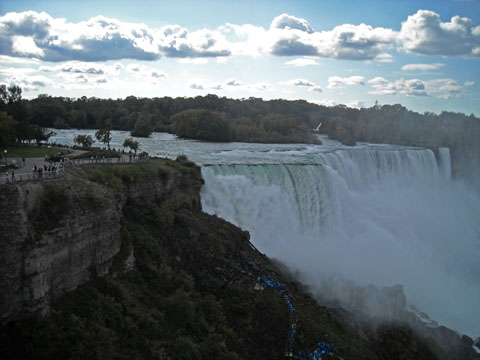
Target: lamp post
{"type": "Point", "coordinates": [5, 152]}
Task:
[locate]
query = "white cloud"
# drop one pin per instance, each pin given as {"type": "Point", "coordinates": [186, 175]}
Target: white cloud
{"type": "Point", "coordinates": [261, 86]}
{"type": "Point", "coordinates": [78, 67]}
{"type": "Point", "coordinates": [442, 88]}
{"type": "Point", "coordinates": [469, 83]}
{"type": "Point", "coordinates": [299, 82]}
{"type": "Point", "coordinates": [289, 22]}
{"type": "Point", "coordinates": [12, 71]}
{"type": "Point", "coordinates": [144, 71]}
{"type": "Point", "coordinates": [135, 68]}
{"type": "Point", "coordinates": [315, 88]}
{"type": "Point", "coordinates": [178, 42]}
{"type": "Point", "coordinates": [384, 58]}
{"type": "Point", "coordinates": [38, 35]}
{"type": "Point", "coordinates": [25, 46]}
{"type": "Point", "coordinates": [196, 86]}
{"type": "Point", "coordinates": [301, 62]}
{"type": "Point", "coordinates": [422, 67]}
{"type": "Point", "coordinates": [291, 36]}
{"type": "Point", "coordinates": [28, 82]}
{"type": "Point", "coordinates": [230, 85]}
{"type": "Point", "coordinates": [324, 102]}
{"type": "Point", "coordinates": [233, 82]}
{"type": "Point", "coordinates": [378, 81]}
{"type": "Point", "coordinates": [247, 39]}
{"type": "Point", "coordinates": [425, 33]}
{"type": "Point", "coordinates": [33, 34]}
{"type": "Point", "coordinates": [337, 82]}
{"type": "Point", "coordinates": [195, 61]}
{"type": "Point", "coordinates": [157, 74]}
{"type": "Point", "coordinates": [4, 59]}
{"type": "Point", "coordinates": [356, 104]}
{"type": "Point", "coordinates": [421, 33]}
{"type": "Point", "coordinates": [353, 42]}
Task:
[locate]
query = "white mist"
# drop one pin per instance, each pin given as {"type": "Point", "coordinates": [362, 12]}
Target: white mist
{"type": "Point", "coordinates": [372, 216]}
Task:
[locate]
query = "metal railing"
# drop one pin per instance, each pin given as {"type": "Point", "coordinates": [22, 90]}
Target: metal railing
{"type": "Point", "coordinates": [60, 170]}
{"type": "Point", "coordinates": [35, 175]}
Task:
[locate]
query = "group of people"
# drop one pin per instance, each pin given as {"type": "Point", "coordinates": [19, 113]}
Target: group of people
{"type": "Point", "coordinates": [47, 170]}
{"type": "Point", "coordinates": [323, 350]}
{"type": "Point", "coordinates": [269, 282]}
{"type": "Point", "coordinates": [138, 157]}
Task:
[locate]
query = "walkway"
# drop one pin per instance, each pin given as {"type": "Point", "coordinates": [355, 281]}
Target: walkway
{"type": "Point", "coordinates": [39, 161]}
{"type": "Point", "coordinates": [53, 170]}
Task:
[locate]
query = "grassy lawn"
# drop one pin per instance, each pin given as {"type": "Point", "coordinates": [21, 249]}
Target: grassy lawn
{"type": "Point", "coordinates": [29, 150]}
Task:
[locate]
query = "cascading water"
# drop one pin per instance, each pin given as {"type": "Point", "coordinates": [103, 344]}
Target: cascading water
{"type": "Point", "coordinates": [445, 162]}
{"type": "Point", "coordinates": [373, 216]}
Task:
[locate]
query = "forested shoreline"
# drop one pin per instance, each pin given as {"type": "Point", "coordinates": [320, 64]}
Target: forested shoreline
{"type": "Point", "coordinates": [213, 118]}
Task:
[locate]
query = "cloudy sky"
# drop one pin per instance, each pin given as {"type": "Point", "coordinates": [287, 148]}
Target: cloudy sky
{"type": "Point", "coordinates": [422, 54]}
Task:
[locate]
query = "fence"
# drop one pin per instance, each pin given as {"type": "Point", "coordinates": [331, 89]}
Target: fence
{"type": "Point", "coordinates": [60, 170]}
{"type": "Point", "coordinates": [37, 175]}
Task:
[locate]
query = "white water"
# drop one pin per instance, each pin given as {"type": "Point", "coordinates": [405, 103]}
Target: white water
{"type": "Point", "coordinates": [370, 216]}
{"type": "Point", "coordinates": [373, 214]}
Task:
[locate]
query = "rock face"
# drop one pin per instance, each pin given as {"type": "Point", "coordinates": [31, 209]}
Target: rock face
{"type": "Point", "coordinates": [40, 261]}
{"type": "Point", "coordinates": [58, 234]}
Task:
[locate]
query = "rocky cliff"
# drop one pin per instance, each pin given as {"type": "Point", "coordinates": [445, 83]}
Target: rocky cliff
{"type": "Point", "coordinates": [58, 234]}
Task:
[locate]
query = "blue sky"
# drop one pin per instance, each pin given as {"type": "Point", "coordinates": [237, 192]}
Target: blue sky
{"type": "Point", "coordinates": [422, 54]}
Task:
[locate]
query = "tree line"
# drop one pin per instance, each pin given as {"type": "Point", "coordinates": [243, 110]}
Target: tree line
{"type": "Point", "coordinates": [16, 123]}
{"type": "Point", "coordinates": [214, 118]}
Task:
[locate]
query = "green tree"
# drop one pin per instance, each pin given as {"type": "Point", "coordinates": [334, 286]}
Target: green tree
{"type": "Point", "coordinates": [143, 127]}
{"type": "Point", "coordinates": [7, 129]}
{"type": "Point", "coordinates": [3, 97]}
{"type": "Point", "coordinates": [40, 134]}
{"type": "Point", "coordinates": [202, 124]}
{"type": "Point", "coordinates": [104, 135]}
{"type": "Point", "coordinates": [83, 140]}
{"type": "Point", "coordinates": [11, 99]}
{"type": "Point", "coordinates": [132, 144]}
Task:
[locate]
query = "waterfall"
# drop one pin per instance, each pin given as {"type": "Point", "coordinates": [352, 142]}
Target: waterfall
{"type": "Point", "coordinates": [445, 162]}
{"type": "Point", "coordinates": [372, 216]}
